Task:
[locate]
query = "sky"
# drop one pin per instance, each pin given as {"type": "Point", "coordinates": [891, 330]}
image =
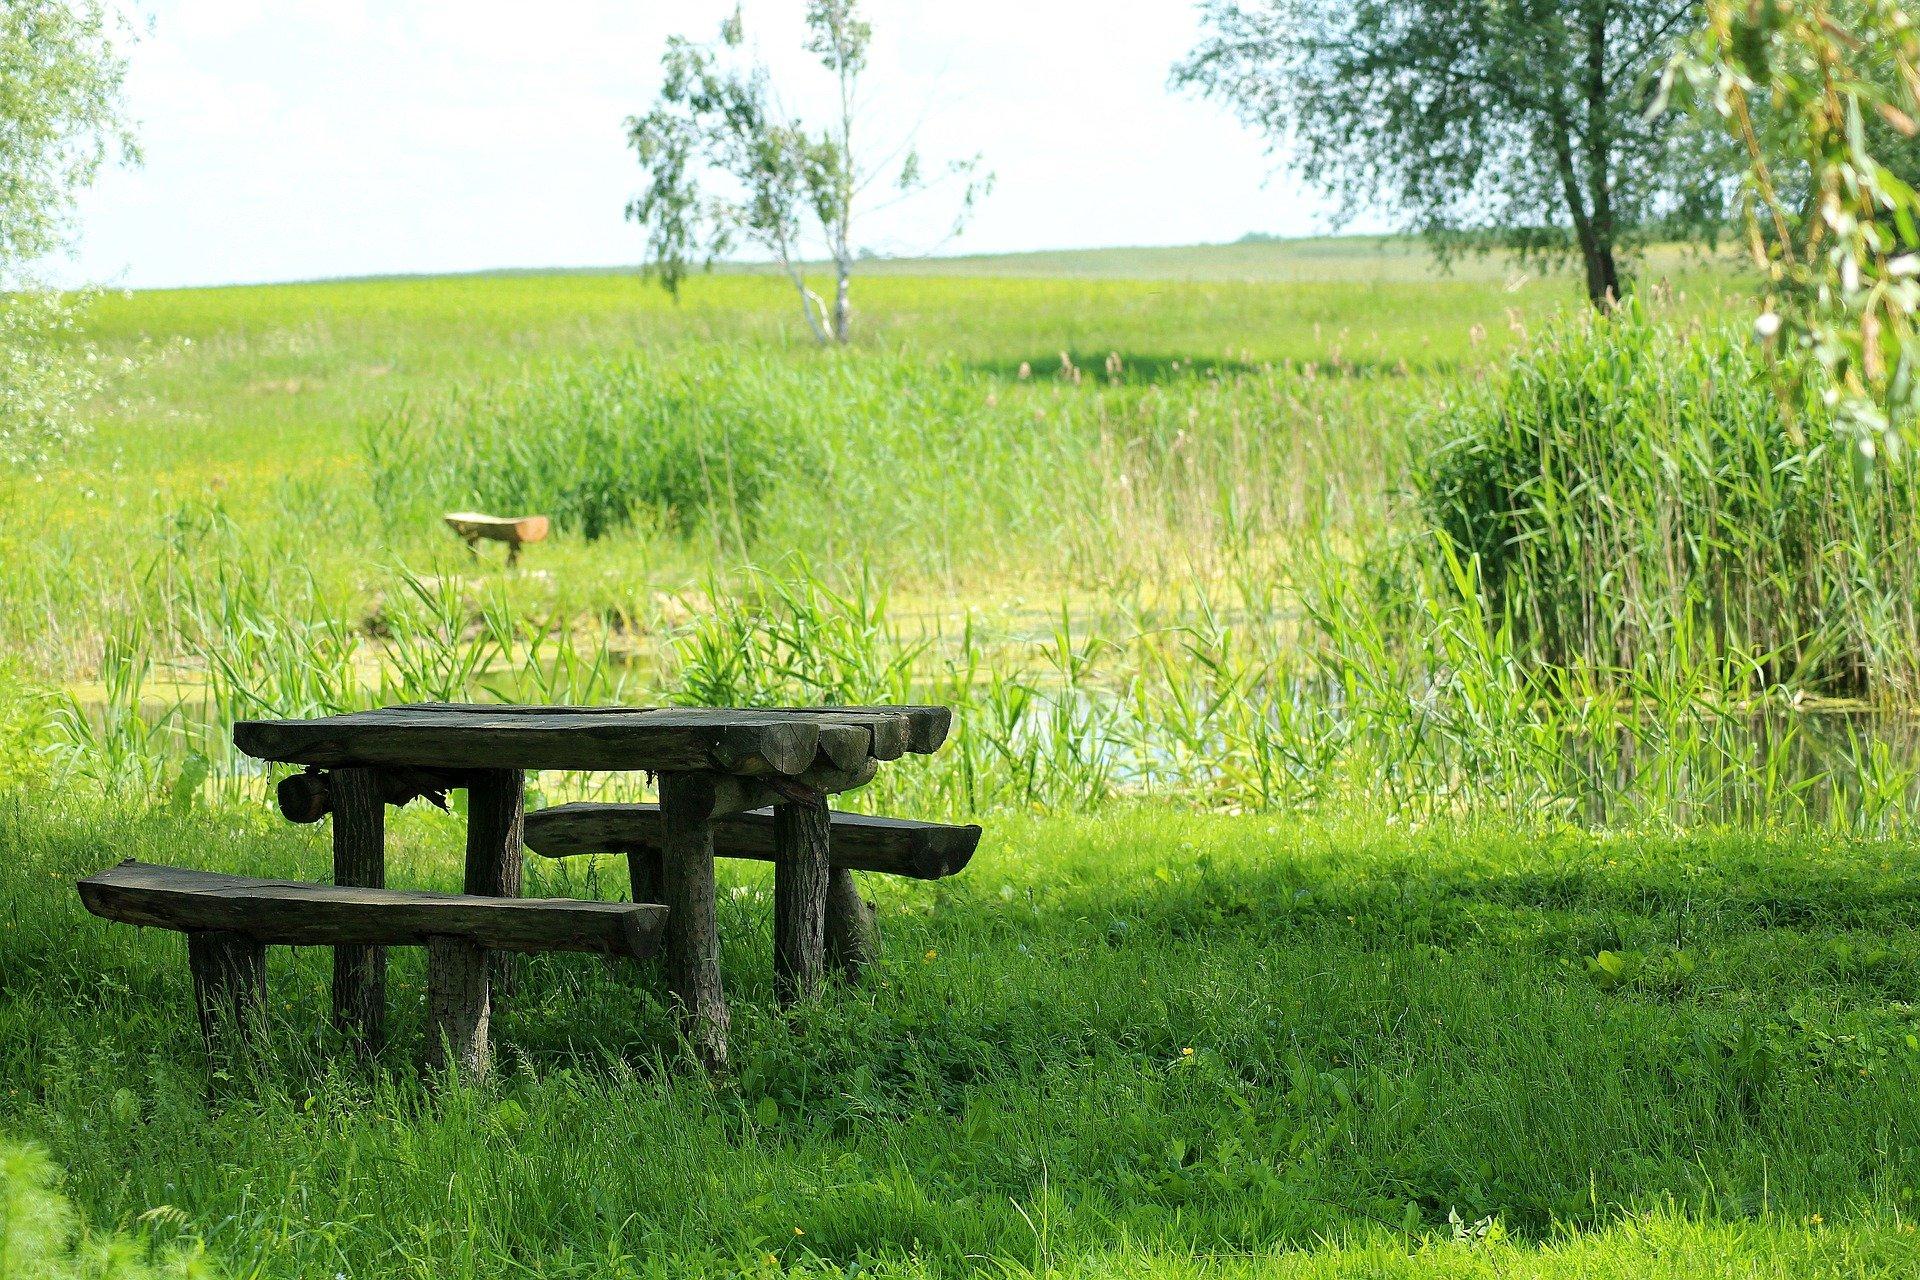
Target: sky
{"type": "Point", "coordinates": [302, 139]}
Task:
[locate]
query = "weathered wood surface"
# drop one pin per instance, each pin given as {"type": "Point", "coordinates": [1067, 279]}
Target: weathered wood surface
{"type": "Point", "coordinates": [459, 1007]}
{"type": "Point", "coordinates": [858, 842]}
{"type": "Point", "coordinates": [479, 737]}
{"type": "Point", "coordinates": [800, 832]}
{"type": "Point", "coordinates": [496, 809]}
{"type": "Point", "coordinates": [927, 727]}
{"type": "Point", "coordinates": [692, 934]}
{"type": "Point", "coordinates": [359, 861]}
{"type": "Point", "coordinates": [292, 913]}
{"type": "Point", "coordinates": [853, 936]}
{"type": "Point", "coordinates": [229, 986]}
{"type": "Point", "coordinates": [734, 794]}
{"type": "Point", "coordinates": [308, 797]}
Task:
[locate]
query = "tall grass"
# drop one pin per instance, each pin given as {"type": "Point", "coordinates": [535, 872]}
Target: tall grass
{"type": "Point", "coordinates": [1636, 494]}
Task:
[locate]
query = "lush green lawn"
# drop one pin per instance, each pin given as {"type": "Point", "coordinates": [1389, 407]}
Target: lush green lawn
{"type": "Point", "coordinates": [1146, 1043]}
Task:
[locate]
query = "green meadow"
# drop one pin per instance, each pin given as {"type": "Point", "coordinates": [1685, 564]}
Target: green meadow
{"type": "Point", "coordinates": [1446, 767]}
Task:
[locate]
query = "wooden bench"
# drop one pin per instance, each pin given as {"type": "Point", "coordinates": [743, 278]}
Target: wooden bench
{"type": "Point", "coordinates": [855, 842]}
{"type": "Point", "coordinates": [230, 920]}
{"type": "Point", "coordinates": [515, 531]}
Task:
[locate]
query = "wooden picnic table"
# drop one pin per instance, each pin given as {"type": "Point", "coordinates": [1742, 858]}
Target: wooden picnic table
{"type": "Point", "coordinates": [710, 763]}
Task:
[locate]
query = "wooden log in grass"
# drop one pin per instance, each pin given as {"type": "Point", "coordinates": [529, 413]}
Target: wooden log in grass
{"type": "Point", "coordinates": [474, 527]}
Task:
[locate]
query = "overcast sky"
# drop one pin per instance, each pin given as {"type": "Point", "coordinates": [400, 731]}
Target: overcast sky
{"type": "Point", "coordinates": [306, 138]}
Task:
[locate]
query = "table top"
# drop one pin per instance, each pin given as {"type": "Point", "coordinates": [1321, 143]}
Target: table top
{"type": "Point", "coordinates": [747, 741]}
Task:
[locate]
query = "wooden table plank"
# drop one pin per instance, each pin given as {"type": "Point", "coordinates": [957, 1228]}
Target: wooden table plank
{"type": "Point", "coordinates": [747, 743]}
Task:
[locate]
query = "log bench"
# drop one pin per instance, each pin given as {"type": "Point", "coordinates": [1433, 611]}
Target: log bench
{"type": "Point", "coordinates": [516, 531]}
{"type": "Point", "coordinates": [231, 920]}
{"type": "Point", "coordinates": [855, 842]}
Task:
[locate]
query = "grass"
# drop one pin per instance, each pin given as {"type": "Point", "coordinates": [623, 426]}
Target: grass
{"type": "Point", "coordinates": [1389, 1031]}
{"type": "Point", "coordinates": [1486, 966]}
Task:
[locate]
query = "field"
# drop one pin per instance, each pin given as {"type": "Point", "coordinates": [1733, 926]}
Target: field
{"type": "Point", "coordinates": [1319, 930]}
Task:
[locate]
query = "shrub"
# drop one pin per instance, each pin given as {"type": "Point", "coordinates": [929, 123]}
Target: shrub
{"type": "Point", "coordinates": [605, 444]}
{"type": "Point", "coordinates": [1632, 491]}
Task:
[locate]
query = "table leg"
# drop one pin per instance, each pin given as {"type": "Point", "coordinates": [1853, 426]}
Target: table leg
{"type": "Point", "coordinates": [853, 939]}
{"type": "Point", "coordinates": [496, 818]}
{"type": "Point", "coordinates": [693, 942]}
{"type": "Point", "coordinates": [800, 829]}
{"type": "Point", "coordinates": [359, 859]}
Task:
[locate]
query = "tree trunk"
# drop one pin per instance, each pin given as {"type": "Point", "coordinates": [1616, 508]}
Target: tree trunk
{"type": "Point", "coordinates": [1603, 275]}
{"type": "Point", "coordinates": [1603, 272]}
{"type": "Point", "coordinates": [843, 305]}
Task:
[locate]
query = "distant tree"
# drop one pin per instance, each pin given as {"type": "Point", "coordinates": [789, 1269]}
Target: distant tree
{"type": "Point", "coordinates": [60, 120]}
{"type": "Point", "coordinates": [1515, 124]}
{"type": "Point", "coordinates": [728, 168]}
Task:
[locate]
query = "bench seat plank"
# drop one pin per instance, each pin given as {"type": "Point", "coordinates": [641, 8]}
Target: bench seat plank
{"type": "Point", "coordinates": [291, 913]}
{"type": "Point", "coordinates": [858, 842]}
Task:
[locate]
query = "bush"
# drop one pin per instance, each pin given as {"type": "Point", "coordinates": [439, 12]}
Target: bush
{"type": "Point", "coordinates": [1635, 493]}
{"type": "Point", "coordinates": [603, 445]}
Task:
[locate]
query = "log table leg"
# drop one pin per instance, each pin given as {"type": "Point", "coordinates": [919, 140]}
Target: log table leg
{"type": "Point", "coordinates": [693, 941]}
{"type": "Point", "coordinates": [799, 897]}
{"type": "Point", "coordinates": [496, 816]}
{"type": "Point", "coordinates": [853, 939]}
{"type": "Point", "coordinates": [459, 1007]}
{"type": "Point", "coordinates": [229, 986]}
{"type": "Point", "coordinates": [646, 875]}
{"type": "Point", "coordinates": [359, 859]}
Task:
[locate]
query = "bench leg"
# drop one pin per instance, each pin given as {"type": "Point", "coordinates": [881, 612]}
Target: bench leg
{"type": "Point", "coordinates": [496, 818]}
{"type": "Point", "coordinates": [853, 938]}
{"type": "Point", "coordinates": [646, 875]}
{"type": "Point", "coordinates": [799, 897]}
{"type": "Point", "coordinates": [693, 941]}
{"type": "Point", "coordinates": [459, 1007]}
{"type": "Point", "coordinates": [359, 859]}
{"type": "Point", "coordinates": [229, 986]}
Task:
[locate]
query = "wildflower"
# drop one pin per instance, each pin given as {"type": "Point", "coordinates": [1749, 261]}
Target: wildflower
{"type": "Point", "coordinates": [797, 1231]}
{"type": "Point", "coordinates": [1186, 1053]}
{"type": "Point", "coordinates": [931, 953]}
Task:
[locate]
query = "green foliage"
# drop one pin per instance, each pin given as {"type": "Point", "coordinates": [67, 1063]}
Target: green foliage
{"type": "Point", "coordinates": [60, 118]}
{"type": "Point", "coordinates": [1821, 98]}
{"type": "Point", "coordinates": [40, 1238]}
{"type": "Point", "coordinates": [1513, 124]}
{"type": "Point", "coordinates": [728, 168]}
{"type": "Point", "coordinates": [1632, 491]}
{"type": "Point", "coordinates": [607, 445]}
